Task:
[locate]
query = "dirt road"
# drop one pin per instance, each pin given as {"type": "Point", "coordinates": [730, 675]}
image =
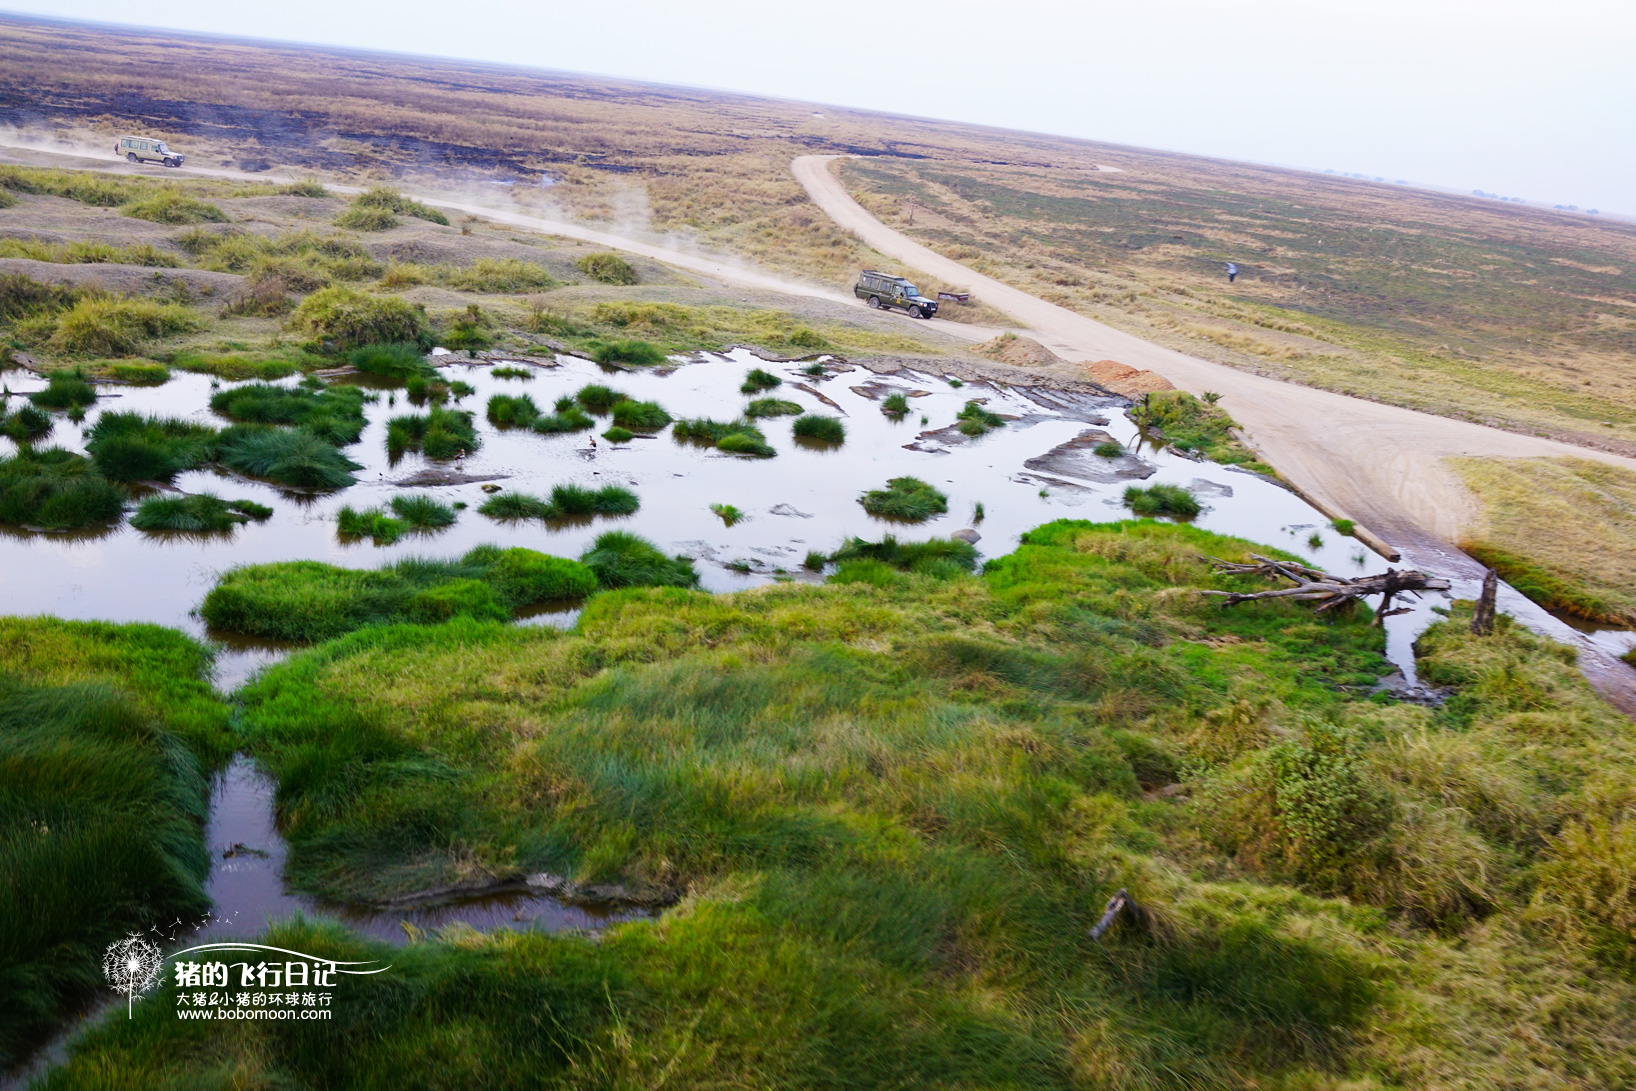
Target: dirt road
{"type": "Point", "coordinates": [1377, 464]}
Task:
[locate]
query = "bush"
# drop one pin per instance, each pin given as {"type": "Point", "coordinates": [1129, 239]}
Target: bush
{"type": "Point", "coordinates": [170, 206]}
{"type": "Point", "coordinates": [758, 380]}
{"type": "Point", "coordinates": [597, 398]}
{"type": "Point", "coordinates": [906, 498]}
{"type": "Point", "coordinates": [640, 416]}
{"type": "Point", "coordinates": [403, 360]}
{"type": "Point", "coordinates": [440, 434]}
{"type": "Point", "coordinates": [607, 268]}
{"type": "Point", "coordinates": [107, 326]}
{"type": "Point", "coordinates": [199, 514]}
{"type": "Point", "coordinates": [976, 421]}
{"type": "Point", "coordinates": [771, 407]}
{"type": "Point", "coordinates": [335, 414]}
{"type": "Point", "coordinates": [824, 429]}
{"type": "Point", "coordinates": [626, 352]}
{"type": "Point", "coordinates": [56, 490]}
{"type": "Point", "coordinates": [135, 447]}
{"type": "Point", "coordinates": [65, 390]}
{"type": "Point", "coordinates": [291, 457]}
{"type": "Point", "coordinates": [895, 405]}
{"type": "Point", "coordinates": [25, 425]}
{"type": "Point", "coordinates": [620, 559]}
{"type": "Point", "coordinates": [348, 318]}
{"type": "Point", "coordinates": [940, 557]}
{"type": "Point", "coordinates": [1162, 500]}
{"type": "Point", "coordinates": [505, 411]}
{"type": "Point", "coordinates": [373, 523]}
{"type": "Point", "coordinates": [422, 512]}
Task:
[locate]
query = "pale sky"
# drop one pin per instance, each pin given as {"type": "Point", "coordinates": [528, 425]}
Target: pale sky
{"type": "Point", "coordinates": [1534, 100]}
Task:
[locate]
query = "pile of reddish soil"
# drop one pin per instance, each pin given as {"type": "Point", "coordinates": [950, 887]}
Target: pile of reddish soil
{"type": "Point", "coordinates": [1125, 380]}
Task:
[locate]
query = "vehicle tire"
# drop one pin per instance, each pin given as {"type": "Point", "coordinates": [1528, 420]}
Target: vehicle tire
{"type": "Point", "coordinates": [170, 162]}
{"type": "Point", "coordinates": [131, 156]}
{"type": "Point", "coordinates": [917, 312]}
{"type": "Point", "coordinates": [874, 302]}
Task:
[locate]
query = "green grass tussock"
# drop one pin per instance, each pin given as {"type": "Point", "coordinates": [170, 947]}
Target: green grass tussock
{"type": "Point", "coordinates": [728, 513]}
{"type": "Point", "coordinates": [308, 602]}
{"type": "Point", "coordinates": [496, 275]}
{"type": "Point", "coordinates": [907, 498]}
{"type": "Point", "coordinates": [171, 206]}
{"type": "Point", "coordinates": [1162, 500]}
{"type": "Point", "coordinates": [106, 733]}
{"type": "Point", "coordinates": [616, 434]}
{"type": "Point", "coordinates": [136, 373]}
{"type": "Point", "coordinates": [285, 456]}
{"type": "Point", "coordinates": [895, 405]}
{"type": "Point", "coordinates": [565, 502]}
{"type": "Point", "coordinates": [608, 268]}
{"type": "Point", "coordinates": [236, 367]}
{"type": "Point", "coordinates": [626, 351]}
{"type": "Point", "coordinates": [639, 416]}
{"type": "Point", "coordinates": [757, 380]}
{"type": "Point", "coordinates": [771, 407]}
{"type": "Point", "coordinates": [201, 513]}
{"type": "Point", "coordinates": [137, 447]}
{"type": "Point", "coordinates": [506, 411]}
{"type": "Point", "coordinates": [347, 318]}
{"type": "Point", "coordinates": [597, 398]}
{"type": "Point", "coordinates": [739, 437]}
{"type": "Point", "coordinates": [104, 325]}
{"type": "Point", "coordinates": [373, 523]}
{"type": "Point", "coordinates": [823, 429]}
{"type": "Point", "coordinates": [504, 372]}
{"type": "Point", "coordinates": [622, 559]}
{"type": "Point", "coordinates": [55, 489]}
{"type": "Point", "coordinates": [440, 434]}
{"type": "Point", "coordinates": [423, 512]}
{"type": "Point", "coordinates": [65, 390]}
{"type": "Point", "coordinates": [570, 419]}
{"type": "Point", "coordinates": [26, 425]}
{"type": "Point", "coordinates": [401, 360]}
{"type": "Point", "coordinates": [1188, 424]}
{"type": "Point", "coordinates": [87, 252]}
{"type": "Point", "coordinates": [976, 421]}
{"type": "Point", "coordinates": [942, 557]}
{"type": "Point", "coordinates": [335, 414]}
{"type": "Point", "coordinates": [378, 209]}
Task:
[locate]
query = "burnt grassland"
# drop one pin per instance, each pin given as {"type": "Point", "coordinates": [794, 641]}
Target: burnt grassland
{"type": "Point", "coordinates": [886, 811]}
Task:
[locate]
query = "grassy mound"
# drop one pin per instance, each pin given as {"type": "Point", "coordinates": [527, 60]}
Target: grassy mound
{"type": "Point", "coordinates": [736, 437]}
{"type": "Point", "coordinates": [106, 732]}
{"type": "Point", "coordinates": [1188, 424]}
{"type": "Point", "coordinates": [626, 352]}
{"type": "Point", "coordinates": [935, 557]}
{"type": "Point", "coordinates": [608, 268]}
{"type": "Point", "coordinates": [506, 411]}
{"type": "Point", "coordinates": [56, 490]}
{"type": "Point", "coordinates": [821, 428]}
{"type": "Point", "coordinates": [25, 425]}
{"type": "Point", "coordinates": [109, 326]}
{"type": "Point", "coordinates": [284, 456]}
{"type": "Point", "coordinates": [620, 559]}
{"type": "Point", "coordinates": [616, 434]}
{"type": "Point", "coordinates": [906, 498]}
{"type": "Point", "coordinates": [402, 360]}
{"type": "Point", "coordinates": [65, 390]}
{"type": "Point", "coordinates": [639, 416]}
{"type": "Point", "coordinates": [771, 407]}
{"type": "Point", "coordinates": [236, 367]}
{"type": "Point", "coordinates": [346, 318]}
{"type": "Point", "coordinates": [308, 601]}
{"type": "Point", "coordinates": [567, 501]}
{"type": "Point", "coordinates": [136, 447]}
{"type": "Point", "coordinates": [597, 398]}
{"type": "Point", "coordinates": [440, 434]}
{"type": "Point", "coordinates": [976, 421]}
{"type": "Point", "coordinates": [136, 372]}
{"type": "Point", "coordinates": [495, 275]}
{"type": "Point", "coordinates": [171, 206]}
{"type": "Point", "coordinates": [384, 199]}
{"type": "Point", "coordinates": [336, 414]}
{"type": "Point", "coordinates": [1162, 500]}
{"type": "Point", "coordinates": [202, 513]}
{"type": "Point", "coordinates": [758, 380]}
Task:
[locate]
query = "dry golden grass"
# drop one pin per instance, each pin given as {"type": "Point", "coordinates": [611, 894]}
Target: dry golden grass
{"type": "Point", "coordinates": [1563, 530]}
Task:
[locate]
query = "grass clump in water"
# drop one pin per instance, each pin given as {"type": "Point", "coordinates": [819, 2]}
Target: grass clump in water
{"type": "Point", "coordinates": [567, 501]}
{"type": "Point", "coordinates": [136, 447]}
{"type": "Point", "coordinates": [136, 373]}
{"type": "Point", "coordinates": [626, 352]}
{"type": "Point", "coordinates": [440, 434]}
{"type": "Point", "coordinates": [56, 490]}
{"type": "Point", "coordinates": [402, 360]}
{"type": "Point", "coordinates": [423, 512]}
{"type": "Point", "coordinates": [65, 390]}
{"type": "Point", "coordinates": [976, 421]}
{"type": "Point", "coordinates": [1188, 424]}
{"type": "Point", "coordinates": [597, 398]}
{"type": "Point", "coordinates": [738, 437]}
{"type": "Point", "coordinates": [1162, 500]}
{"type": "Point", "coordinates": [25, 425]}
{"type": "Point", "coordinates": [286, 456]}
{"type": "Point", "coordinates": [906, 498]}
{"type": "Point", "coordinates": [507, 411]}
{"type": "Point", "coordinates": [616, 434]}
{"type": "Point", "coordinates": [758, 380]}
{"type": "Point", "coordinates": [941, 557]}
{"type": "Point", "coordinates": [639, 416]}
{"type": "Point", "coordinates": [745, 442]}
{"type": "Point", "coordinates": [507, 372]}
{"type": "Point", "coordinates": [571, 419]}
{"type": "Point", "coordinates": [823, 429]}
{"type": "Point", "coordinates": [202, 513]}
{"type": "Point", "coordinates": [608, 268]}
{"type": "Point", "coordinates": [728, 513]}
{"type": "Point", "coordinates": [1109, 449]}
{"type": "Point", "coordinates": [621, 559]}
{"type": "Point", "coordinates": [895, 405]}
{"type": "Point", "coordinates": [771, 407]}
{"type": "Point", "coordinates": [335, 414]}
{"type": "Point", "coordinates": [373, 523]}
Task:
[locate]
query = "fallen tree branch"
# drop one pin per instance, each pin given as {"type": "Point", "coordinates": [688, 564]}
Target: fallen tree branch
{"type": "Point", "coordinates": [1118, 902]}
{"type": "Point", "coordinates": [1324, 588]}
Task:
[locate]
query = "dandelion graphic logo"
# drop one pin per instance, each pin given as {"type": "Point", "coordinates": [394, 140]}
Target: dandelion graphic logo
{"type": "Point", "coordinates": [131, 966]}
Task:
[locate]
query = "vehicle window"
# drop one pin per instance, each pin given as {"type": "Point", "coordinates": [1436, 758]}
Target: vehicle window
{"type": "Point", "coordinates": [142, 147]}
{"type": "Point", "coordinates": [910, 289]}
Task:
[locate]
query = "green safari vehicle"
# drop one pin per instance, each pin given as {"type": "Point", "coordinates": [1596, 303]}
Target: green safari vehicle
{"type": "Point", "coordinates": [145, 149]}
{"type": "Point", "coordinates": [881, 290]}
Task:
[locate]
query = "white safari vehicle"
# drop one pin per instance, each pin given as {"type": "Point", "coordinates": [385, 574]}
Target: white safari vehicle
{"type": "Point", "coordinates": [144, 149]}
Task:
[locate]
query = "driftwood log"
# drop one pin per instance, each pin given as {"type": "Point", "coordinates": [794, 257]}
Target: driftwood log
{"type": "Point", "coordinates": [1326, 589]}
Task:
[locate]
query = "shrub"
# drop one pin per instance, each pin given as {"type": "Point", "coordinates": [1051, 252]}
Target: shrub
{"type": "Point", "coordinates": [935, 557]}
{"type": "Point", "coordinates": [621, 559]}
{"type": "Point", "coordinates": [627, 352]}
{"type": "Point", "coordinates": [976, 421]}
{"type": "Point", "coordinates": [505, 411]}
{"type": "Point", "coordinates": [348, 318]}
{"type": "Point", "coordinates": [895, 405]}
{"type": "Point", "coordinates": [906, 498]}
{"type": "Point", "coordinates": [500, 275]}
{"type": "Point", "coordinates": [199, 514]}
{"type": "Point", "coordinates": [572, 419]}
{"type": "Point", "coordinates": [617, 434]}
{"type": "Point", "coordinates": [65, 390]}
{"type": "Point", "coordinates": [640, 416]}
{"type": "Point", "coordinates": [291, 457]}
{"type": "Point", "coordinates": [824, 429]}
{"type": "Point", "coordinates": [56, 490]}
{"type": "Point", "coordinates": [25, 425]}
{"type": "Point", "coordinates": [758, 380]}
{"type": "Point", "coordinates": [607, 268]}
{"type": "Point", "coordinates": [372, 523]}
{"type": "Point", "coordinates": [107, 326]}
{"type": "Point", "coordinates": [771, 407]}
{"type": "Point", "coordinates": [597, 398]}
{"type": "Point", "coordinates": [422, 512]}
{"type": "Point", "coordinates": [335, 414]}
{"type": "Point", "coordinates": [402, 360]}
{"type": "Point", "coordinates": [440, 434]}
{"type": "Point", "coordinates": [1162, 500]}
{"type": "Point", "coordinates": [135, 447]}
{"type": "Point", "coordinates": [171, 206]}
